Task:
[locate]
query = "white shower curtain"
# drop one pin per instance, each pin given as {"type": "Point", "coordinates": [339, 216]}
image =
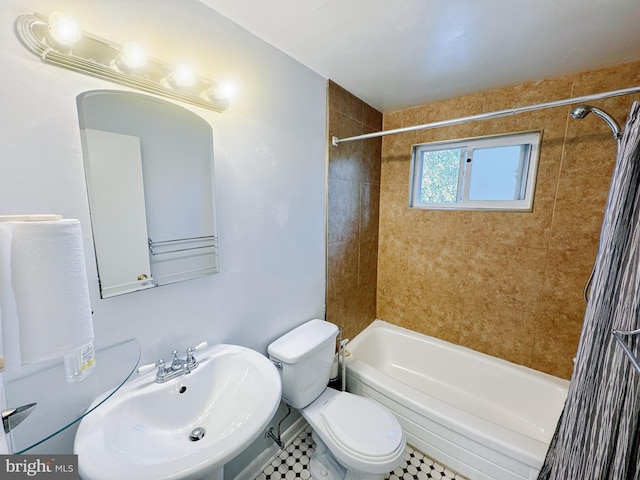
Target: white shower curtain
{"type": "Point", "coordinates": [598, 434]}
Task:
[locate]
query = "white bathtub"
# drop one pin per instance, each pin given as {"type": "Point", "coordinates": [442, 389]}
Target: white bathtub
{"type": "Point", "coordinates": [484, 417]}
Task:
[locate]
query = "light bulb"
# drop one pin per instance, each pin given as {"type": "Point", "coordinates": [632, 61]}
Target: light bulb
{"type": "Point", "coordinates": [63, 30]}
{"type": "Point", "coordinates": [183, 76]}
{"type": "Point", "coordinates": [226, 90]}
{"type": "Point", "coordinates": [133, 57]}
{"type": "Point", "coordinates": [223, 91]}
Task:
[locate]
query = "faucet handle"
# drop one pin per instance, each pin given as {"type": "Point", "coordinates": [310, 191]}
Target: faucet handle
{"type": "Point", "coordinates": [191, 361]}
{"type": "Point", "coordinates": [146, 368]}
{"type": "Point", "coordinates": [150, 366]}
{"type": "Point", "coordinates": [197, 348]}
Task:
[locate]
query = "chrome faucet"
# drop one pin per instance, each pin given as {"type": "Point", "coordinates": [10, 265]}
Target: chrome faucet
{"type": "Point", "coordinates": [175, 369]}
{"type": "Point", "coordinates": [178, 366]}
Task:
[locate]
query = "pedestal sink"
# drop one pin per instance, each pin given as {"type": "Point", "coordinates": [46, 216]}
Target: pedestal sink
{"type": "Point", "coordinates": [186, 428]}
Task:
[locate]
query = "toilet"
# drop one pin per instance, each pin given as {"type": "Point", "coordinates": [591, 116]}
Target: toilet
{"type": "Point", "coordinates": [356, 438]}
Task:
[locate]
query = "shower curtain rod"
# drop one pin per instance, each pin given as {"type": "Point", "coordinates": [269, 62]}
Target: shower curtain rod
{"type": "Point", "coordinates": [488, 116]}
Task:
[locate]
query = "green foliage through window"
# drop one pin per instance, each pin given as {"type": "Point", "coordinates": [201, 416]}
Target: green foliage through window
{"type": "Point", "coordinates": [440, 176]}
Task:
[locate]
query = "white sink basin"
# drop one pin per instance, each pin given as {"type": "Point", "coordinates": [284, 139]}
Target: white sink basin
{"type": "Point", "coordinates": [144, 430]}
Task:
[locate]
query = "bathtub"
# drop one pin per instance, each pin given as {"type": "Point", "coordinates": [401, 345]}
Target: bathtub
{"type": "Point", "coordinates": [484, 417]}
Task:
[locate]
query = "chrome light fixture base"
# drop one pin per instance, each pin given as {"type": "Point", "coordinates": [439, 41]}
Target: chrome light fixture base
{"type": "Point", "coordinates": [98, 57]}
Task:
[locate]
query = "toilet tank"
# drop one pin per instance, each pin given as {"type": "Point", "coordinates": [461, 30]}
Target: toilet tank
{"type": "Point", "coordinates": [306, 354]}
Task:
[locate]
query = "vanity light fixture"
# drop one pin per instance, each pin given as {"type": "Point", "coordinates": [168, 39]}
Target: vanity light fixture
{"type": "Point", "coordinates": [59, 40]}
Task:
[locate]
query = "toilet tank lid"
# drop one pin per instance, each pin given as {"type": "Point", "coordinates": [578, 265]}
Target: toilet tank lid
{"type": "Point", "coordinates": [301, 340]}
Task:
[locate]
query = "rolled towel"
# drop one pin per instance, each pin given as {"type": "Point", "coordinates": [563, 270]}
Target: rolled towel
{"type": "Point", "coordinates": [49, 282]}
{"type": "Point", "coordinates": [8, 318]}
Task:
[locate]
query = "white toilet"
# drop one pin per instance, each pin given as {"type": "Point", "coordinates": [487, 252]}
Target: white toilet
{"type": "Point", "coordinates": [356, 438]}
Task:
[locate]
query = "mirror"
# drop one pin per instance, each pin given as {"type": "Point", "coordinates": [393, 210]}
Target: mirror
{"type": "Point", "coordinates": [149, 171]}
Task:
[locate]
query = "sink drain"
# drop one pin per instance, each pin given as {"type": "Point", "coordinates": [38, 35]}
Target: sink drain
{"type": "Point", "coordinates": [197, 434]}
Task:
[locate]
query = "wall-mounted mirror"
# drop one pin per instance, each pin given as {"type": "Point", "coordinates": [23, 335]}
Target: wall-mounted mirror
{"type": "Point", "coordinates": [149, 171]}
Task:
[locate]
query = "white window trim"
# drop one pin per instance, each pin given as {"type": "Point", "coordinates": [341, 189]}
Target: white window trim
{"type": "Point", "coordinates": [532, 138]}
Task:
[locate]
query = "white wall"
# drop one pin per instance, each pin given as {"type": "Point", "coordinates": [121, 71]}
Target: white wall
{"type": "Point", "coordinates": [270, 157]}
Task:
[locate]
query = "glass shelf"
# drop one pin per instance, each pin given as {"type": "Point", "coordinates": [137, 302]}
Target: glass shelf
{"type": "Point", "coordinates": [61, 404]}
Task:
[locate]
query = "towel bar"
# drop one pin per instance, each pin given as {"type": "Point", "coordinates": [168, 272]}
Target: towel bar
{"type": "Point", "coordinates": [212, 239]}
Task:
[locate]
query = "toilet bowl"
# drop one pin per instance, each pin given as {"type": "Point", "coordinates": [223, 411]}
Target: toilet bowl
{"type": "Point", "coordinates": [356, 438]}
{"type": "Point", "coordinates": [364, 437]}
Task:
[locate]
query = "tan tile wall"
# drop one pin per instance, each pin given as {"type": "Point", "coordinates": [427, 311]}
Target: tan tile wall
{"type": "Point", "coordinates": [505, 283]}
{"type": "Point", "coordinates": [353, 206]}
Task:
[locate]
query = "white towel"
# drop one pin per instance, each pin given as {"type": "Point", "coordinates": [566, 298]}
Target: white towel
{"type": "Point", "coordinates": [8, 318]}
{"type": "Point", "coordinates": [49, 283]}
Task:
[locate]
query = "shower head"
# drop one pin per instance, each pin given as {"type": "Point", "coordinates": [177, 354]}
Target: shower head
{"type": "Point", "coordinates": [582, 111]}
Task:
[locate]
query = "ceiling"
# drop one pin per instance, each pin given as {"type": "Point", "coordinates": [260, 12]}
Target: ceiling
{"type": "Point", "coordinates": [396, 54]}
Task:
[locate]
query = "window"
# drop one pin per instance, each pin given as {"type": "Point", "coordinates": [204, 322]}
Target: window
{"type": "Point", "coordinates": [485, 173]}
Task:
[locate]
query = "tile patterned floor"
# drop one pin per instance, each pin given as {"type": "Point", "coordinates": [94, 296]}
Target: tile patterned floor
{"type": "Point", "coordinates": [293, 464]}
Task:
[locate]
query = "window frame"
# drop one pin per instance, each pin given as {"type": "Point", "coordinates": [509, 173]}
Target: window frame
{"type": "Point", "coordinates": [529, 167]}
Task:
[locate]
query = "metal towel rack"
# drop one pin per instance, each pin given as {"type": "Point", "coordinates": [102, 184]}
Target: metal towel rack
{"type": "Point", "coordinates": [617, 334]}
{"type": "Point", "coordinates": [180, 244]}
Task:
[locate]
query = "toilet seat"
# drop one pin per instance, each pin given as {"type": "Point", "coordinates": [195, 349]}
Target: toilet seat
{"type": "Point", "coordinates": [360, 433]}
{"type": "Point", "coordinates": [362, 428]}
